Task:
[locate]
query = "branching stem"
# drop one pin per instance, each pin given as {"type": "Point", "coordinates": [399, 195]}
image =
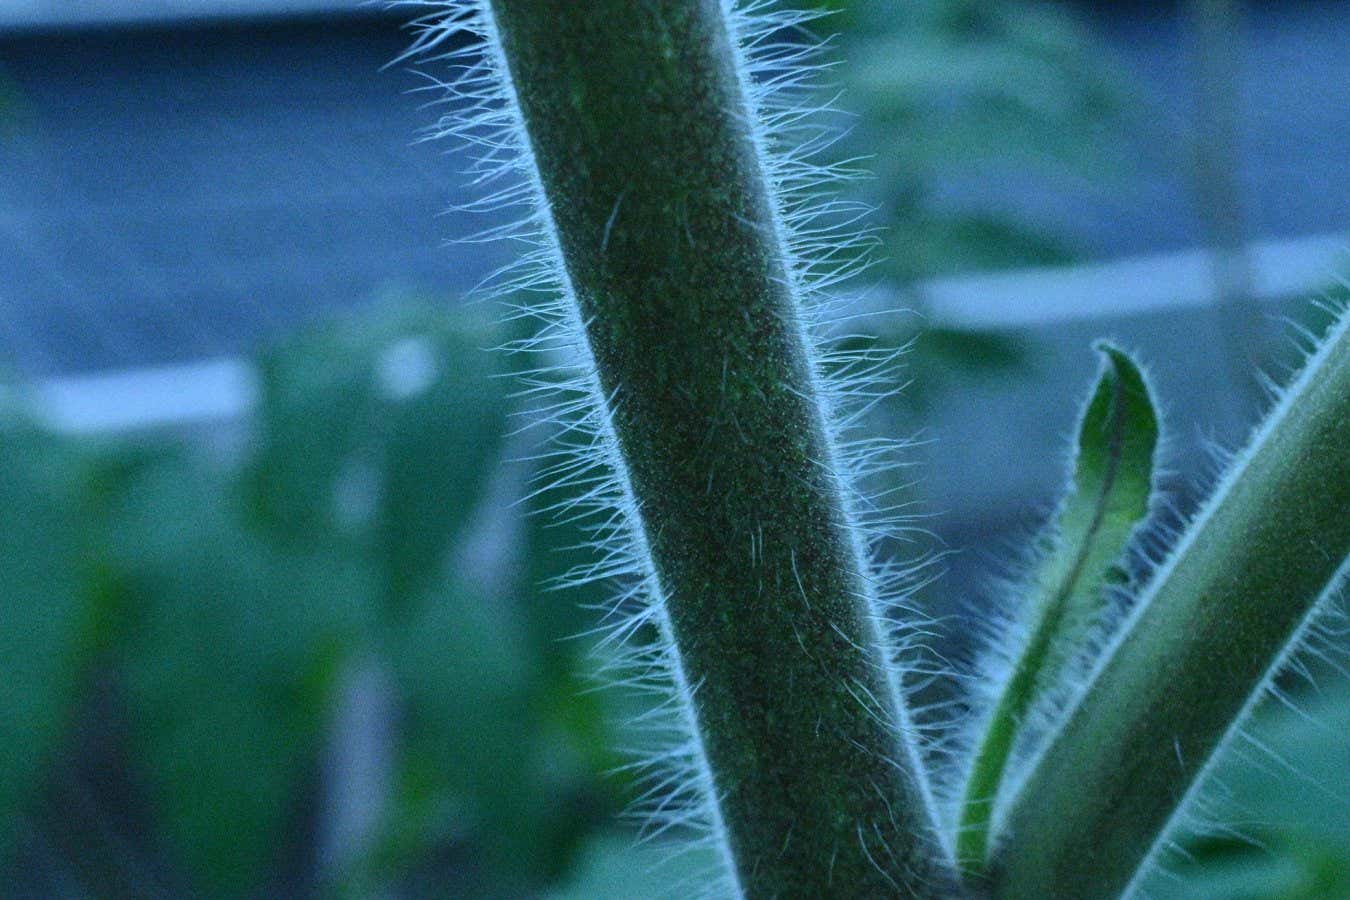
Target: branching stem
{"type": "Point", "coordinates": [1218, 617]}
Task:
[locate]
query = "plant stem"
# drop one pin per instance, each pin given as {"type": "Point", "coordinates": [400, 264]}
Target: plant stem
{"type": "Point", "coordinates": [673, 251]}
{"type": "Point", "coordinates": [1215, 622]}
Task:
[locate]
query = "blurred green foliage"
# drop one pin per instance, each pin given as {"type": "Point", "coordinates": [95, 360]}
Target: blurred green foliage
{"type": "Point", "coordinates": [43, 625]}
{"type": "Point", "coordinates": [953, 92]}
{"type": "Point", "coordinates": [213, 610]}
{"type": "Point", "coordinates": [949, 89]}
{"type": "Point", "coordinates": [181, 628]}
{"type": "Point", "coordinates": [226, 601]}
{"type": "Point", "coordinates": [1283, 801]}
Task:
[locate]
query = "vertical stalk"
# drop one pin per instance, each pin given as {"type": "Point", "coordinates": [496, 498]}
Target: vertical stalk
{"type": "Point", "coordinates": [1218, 617]}
{"type": "Point", "coordinates": [673, 252]}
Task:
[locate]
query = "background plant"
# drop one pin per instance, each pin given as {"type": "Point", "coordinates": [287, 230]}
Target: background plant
{"type": "Point", "coordinates": [84, 790]}
{"type": "Point", "coordinates": [439, 840]}
{"type": "Point", "coordinates": [690, 306]}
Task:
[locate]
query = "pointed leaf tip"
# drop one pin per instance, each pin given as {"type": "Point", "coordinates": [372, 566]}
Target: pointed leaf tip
{"type": "Point", "coordinates": [1110, 488]}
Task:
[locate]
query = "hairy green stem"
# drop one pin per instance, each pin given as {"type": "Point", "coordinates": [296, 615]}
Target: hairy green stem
{"type": "Point", "coordinates": [1217, 618]}
{"type": "Point", "coordinates": [657, 194]}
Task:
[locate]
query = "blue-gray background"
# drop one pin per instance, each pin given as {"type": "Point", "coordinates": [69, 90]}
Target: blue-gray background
{"type": "Point", "coordinates": [273, 619]}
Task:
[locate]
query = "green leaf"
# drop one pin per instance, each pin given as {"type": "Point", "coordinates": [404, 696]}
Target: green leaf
{"type": "Point", "coordinates": [1112, 484]}
{"type": "Point", "coordinates": [556, 547]}
{"type": "Point", "coordinates": [387, 429]}
{"type": "Point", "coordinates": [1290, 800]}
{"type": "Point", "coordinates": [316, 408]}
{"type": "Point", "coordinates": [927, 243]}
{"type": "Point", "coordinates": [42, 611]}
{"type": "Point", "coordinates": [616, 867]}
{"type": "Point", "coordinates": [474, 765]}
{"type": "Point", "coordinates": [506, 739]}
{"type": "Point", "coordinates": [227, 649]}
{"type": "Point", "coordinates": [1263, 555]}
{"type": "Point", "coordinates": [444, 440]}
{"type": "Point", "coordinates": [1108, 498]}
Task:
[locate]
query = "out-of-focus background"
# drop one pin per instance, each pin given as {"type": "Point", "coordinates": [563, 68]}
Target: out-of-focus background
{"type": "Point", "coordinates": [274, 603]}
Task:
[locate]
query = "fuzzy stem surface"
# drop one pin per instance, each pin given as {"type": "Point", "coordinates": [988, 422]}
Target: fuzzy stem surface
{"type": "Point", "coordinates": [641, 133]}
{"type": "Point", "coordinates": [1217, 618]}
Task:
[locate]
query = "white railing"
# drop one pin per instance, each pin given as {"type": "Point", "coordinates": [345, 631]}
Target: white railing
{"type": "Point", "coordinates": [1036, 297]}
{"type": "Point", "coordinates": [220, 390]}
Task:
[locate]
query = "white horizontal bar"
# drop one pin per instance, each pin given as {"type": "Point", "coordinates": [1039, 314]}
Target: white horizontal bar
{"type": "Point", "coordinates": [132, 399]}
{"type": "Point", "coordinates": [1037, 297]}
{"type": "Point", "coordinates": [223, 389]}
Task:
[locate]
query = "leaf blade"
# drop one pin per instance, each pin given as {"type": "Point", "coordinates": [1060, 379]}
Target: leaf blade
{"type": "Point", "coordinates": [43, 611]}
{"type": "Point", "coordinates": [1111, 486]}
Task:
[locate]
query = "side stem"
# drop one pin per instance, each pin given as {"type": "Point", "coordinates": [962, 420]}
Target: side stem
{"type": "Point", "coordinates": [1217, 619]}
